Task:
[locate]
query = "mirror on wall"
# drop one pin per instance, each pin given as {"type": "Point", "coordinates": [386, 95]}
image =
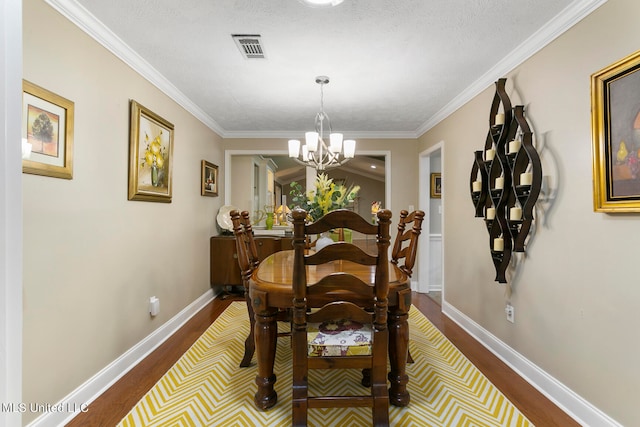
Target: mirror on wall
{"type": "Point", "coordinates": [256, 181]}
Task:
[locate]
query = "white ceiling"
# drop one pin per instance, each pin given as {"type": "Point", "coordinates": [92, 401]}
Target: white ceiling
{"type": "Point", "coordinates": [397, 67]}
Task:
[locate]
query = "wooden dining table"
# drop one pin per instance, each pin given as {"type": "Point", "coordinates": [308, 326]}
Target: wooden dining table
{"type": "Point", "coordinates": [270, 290]}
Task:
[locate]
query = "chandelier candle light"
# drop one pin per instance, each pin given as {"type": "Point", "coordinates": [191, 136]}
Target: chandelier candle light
{"type": "Point", "coordinates": [315, 152]}
{"type": "Point", "coordinates": [321, 3]}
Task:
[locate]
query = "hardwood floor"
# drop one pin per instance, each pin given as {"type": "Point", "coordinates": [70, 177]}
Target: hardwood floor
{"type": "Point", "coordinates": [117, 401]}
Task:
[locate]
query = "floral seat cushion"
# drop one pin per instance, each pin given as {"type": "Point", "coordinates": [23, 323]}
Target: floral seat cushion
{"type": "Point", "coordinates": [339, 338]}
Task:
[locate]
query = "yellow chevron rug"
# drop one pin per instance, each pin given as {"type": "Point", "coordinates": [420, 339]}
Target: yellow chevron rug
{"type": "Point", "coordinates": [207, 388]}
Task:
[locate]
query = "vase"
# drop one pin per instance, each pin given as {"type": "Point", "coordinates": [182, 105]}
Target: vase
{"type": "Point", "coordinates": [154, 176]}
{"type": "Point", "coordinates": [269, 221]}
{"type": "Point", "coordinates": [323, 241]}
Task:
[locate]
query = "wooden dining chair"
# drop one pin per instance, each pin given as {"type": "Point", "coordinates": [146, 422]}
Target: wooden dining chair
{"type": "Point", "coordinates": [248, 260]}
{"type": "Point", "coordinates": [405, 246]}
{"type": "Point", "coordinates": [340, 322]}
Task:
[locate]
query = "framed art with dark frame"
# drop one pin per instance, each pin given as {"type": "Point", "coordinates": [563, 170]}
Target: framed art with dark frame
{"type": "Point", "coordinates": [150, 156]}
{"type": "Point", "coordinates": [209, 179]}
{"type": "Point", "coordinates": [47, 124]}
{"type": "Point", "coordinates": [436, 185]}
{"type": "Point", "coordinates": [615, 128]}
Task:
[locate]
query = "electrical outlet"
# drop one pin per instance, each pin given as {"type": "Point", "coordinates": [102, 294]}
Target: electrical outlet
{"type": "Point", "coordinates": [154, 306]}
{"type": "Point", "coordinates": [510, 313]}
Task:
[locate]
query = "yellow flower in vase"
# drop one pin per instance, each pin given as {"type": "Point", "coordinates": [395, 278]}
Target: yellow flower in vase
{"type": "Point", "coordinates": [154, 157]}
{"type": "Point", "coordinates": [326, 197]}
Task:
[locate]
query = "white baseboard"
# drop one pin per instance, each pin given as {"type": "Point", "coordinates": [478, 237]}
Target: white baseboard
{"type": "Point", "coordinates": [415, 286]}
{"type": "Point", "coordinates": [77, 401]}
{"type": "Point", "coordinates": [437, 287]}
{"type": "Point", "coordinates": [574, 405]}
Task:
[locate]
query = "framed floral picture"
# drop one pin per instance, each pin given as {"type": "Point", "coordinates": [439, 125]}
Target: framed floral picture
{"type": "Point", "coordinates": [209, 179]}
{"type": "Point", "coordinates": [615, 128]}
{"type": "Point", "coordinates": [150, 156]}
{"type": "Point", "coordinates": [47, 129]}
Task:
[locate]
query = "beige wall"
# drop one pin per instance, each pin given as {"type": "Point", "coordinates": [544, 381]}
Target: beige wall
{"type": "Point", "coordinates": [576, 291]}
{"type": "Point", "coordinates": [92, 258]}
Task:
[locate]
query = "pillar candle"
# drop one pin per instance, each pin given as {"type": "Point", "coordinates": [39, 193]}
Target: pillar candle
{"type": "Point", "coordinates": [514, 146]}
{"type": "Point", "coordinates": [498, 244]}
{"type": "Point", "coordinates": [515, 213]}
{"type": "Point", "coordinates": [491, 213]}
{"type": "Point", "coordinates": [477, 186]}
{"type": "Point", "coordinates": [490, 154]}
{"type": "Point", "coordinates": [499, 183]}
{"type": "Point", "coordinates": [526, 178]}
{"type": "Point", "coordinates": [499, 119]}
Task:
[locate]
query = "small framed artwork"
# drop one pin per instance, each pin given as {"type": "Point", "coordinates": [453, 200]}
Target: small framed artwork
{"type": "Point", "coordinates": [615, 129]}
{"type": "Point", "coordinates": [47, 129]}
{"type": "Point", "coordinates": [209, 179]}
{"type": "Point", "coordinates": [436, 186]}
{"type": "Point", "coordinates": [150, 156]}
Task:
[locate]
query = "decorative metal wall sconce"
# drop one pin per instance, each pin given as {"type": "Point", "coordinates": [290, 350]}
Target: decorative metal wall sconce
{"type": "Point", "coordinates": [506, 178]}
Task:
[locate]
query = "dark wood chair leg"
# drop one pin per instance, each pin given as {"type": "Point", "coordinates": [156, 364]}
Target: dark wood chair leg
{"type": "Point", "coordinates": [250, 342]}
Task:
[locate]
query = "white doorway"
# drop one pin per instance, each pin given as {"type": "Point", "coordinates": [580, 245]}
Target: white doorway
{"type": "Point", "coordinates": [430, 271]}
{"type": "Point", "coordinates": [11, 206]}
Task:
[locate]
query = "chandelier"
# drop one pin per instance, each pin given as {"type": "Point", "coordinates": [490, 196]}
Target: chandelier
{"type": "Point", "coordinates": [321, 3]}
{"type": "Point", "coordinates": [316, 153]}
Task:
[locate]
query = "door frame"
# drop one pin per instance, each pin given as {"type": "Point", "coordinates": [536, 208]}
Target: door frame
{"type": "Point", "coordinates": [424, 203]}
{"type": "Point", "coordinates": [11, 206]}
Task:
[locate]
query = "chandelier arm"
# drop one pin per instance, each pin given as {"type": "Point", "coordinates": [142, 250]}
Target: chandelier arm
{"type": "Point", "coordinates": [332, 161]}
{"type": "Point", "coordinates": [336, 164]}
{"type": "Point", "coordinates": [327, 153]}
{"type": "Point", "coordinates": [308, 163]}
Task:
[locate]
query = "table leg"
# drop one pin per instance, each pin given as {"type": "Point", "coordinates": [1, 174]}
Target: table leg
{"type": "Point", "coordinates": [266, 335]}
{"type": "Point", "coordinates": [398, 347]}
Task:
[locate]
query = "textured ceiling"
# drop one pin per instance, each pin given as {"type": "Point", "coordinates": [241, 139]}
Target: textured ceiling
{"type": "Point", "coordinates": [396, 66]}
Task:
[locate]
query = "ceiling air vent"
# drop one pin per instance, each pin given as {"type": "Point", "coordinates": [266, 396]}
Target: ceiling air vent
{"type": "Point", "coordinates": [250, 45]}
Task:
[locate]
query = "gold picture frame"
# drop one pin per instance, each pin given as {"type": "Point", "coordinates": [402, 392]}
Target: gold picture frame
{"type": "Point", "coordinates": [150, 156]}
{"type": "Point", "coordinates": [436, 185]}
{"type": "Point", "coordinates": [209, 179]}
{"type": "Point", "coordinates": [47, 124]}
{"type": "Point", "coordinates": [615, 128]}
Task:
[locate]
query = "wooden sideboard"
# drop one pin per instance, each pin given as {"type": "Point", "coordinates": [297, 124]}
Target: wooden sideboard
{"type": "Point", "coordinates": [223, 259]}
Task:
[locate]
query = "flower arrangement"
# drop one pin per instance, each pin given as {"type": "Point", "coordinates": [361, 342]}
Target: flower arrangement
{"type": "Point", "coordinates": [327, 196]}
{"type": "Point", "coordinates": [154, 157]}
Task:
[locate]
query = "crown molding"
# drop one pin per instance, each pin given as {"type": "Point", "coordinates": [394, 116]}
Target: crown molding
{"type": "Point", "coordinates": [570, 16]}
{"type": "Point", "coordinates": [88, 23]}
{"type": "Point", "coordinates": [300, 135]}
